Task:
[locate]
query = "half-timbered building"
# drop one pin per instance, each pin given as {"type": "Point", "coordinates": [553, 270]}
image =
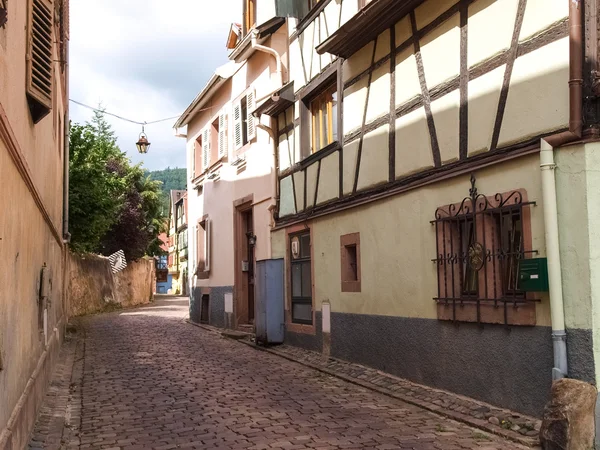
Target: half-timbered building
{"type": "Point", "coordinates": [412, 212]}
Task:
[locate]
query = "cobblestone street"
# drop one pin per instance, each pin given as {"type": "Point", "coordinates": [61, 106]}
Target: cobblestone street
{"type": "Point", "coordinates": [146, 379]}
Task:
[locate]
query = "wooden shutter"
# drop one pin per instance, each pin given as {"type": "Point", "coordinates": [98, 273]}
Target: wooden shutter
{"type": "Point", "coordinates": [237, 126]}
{"type": "Point", "coordinates": [193, 161]}
{"type": "Point", "coordinates": [207, 261]}
{"type": "Point", "coordinates": [223, 135]}
{"type": "Point", "coordinates": [39, 57]}
{"type": "Point", "coordinates": [250, 119]}
{"type": "Point", "coordinates": [206, 147]}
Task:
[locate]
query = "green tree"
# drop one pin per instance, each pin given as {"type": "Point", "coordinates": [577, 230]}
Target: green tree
{"type": "Point", "coordinates": [95, 193]}
{"type": "Point", "coordinates": [172, 179]}
{"type": "Point", "coordinates": [114, 205]}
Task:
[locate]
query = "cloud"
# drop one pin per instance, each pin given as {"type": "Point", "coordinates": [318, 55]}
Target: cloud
{"type": "Point", "coordinates": [146, 60]}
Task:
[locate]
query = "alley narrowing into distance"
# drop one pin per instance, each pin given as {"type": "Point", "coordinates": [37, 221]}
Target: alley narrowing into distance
{"type": "Point", "coordinates": [149, 380]}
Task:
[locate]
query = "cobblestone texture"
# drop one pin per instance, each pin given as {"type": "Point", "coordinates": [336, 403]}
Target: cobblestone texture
{"type": "Point", "coordinates": [152, 381]}
{"type": "Point", "coordinates": [515, 426]}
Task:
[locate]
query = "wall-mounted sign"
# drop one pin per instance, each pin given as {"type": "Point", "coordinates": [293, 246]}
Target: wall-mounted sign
{"type": "Point", "coordinates": [295, 247]}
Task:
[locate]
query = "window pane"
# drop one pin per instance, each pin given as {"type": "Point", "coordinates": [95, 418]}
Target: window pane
{"type": "Point", "coordinates": [296, 280]}
{"type": "Point", "coordinates": [334, 116]}
{"type": "Point", "coordinates": [302, 312]}
{"type": "Point", "coordinates": [306, 280]}
{"type": "Point", "coordinates": [305, 246]}
{"type": "Point", "coordinates": [325, 123]}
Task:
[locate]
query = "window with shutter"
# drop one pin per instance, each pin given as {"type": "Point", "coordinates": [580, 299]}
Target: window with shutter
{"type": "Point", "coordinates": [207, 227]}
{"type": "Point", "coordinates": [250, 119]}
{"type": "Point", "coordinates": [223, 135]}
{"type": "Point", "coordinates": [206, 148]}
{"type": "Point", "coordinates": [39, 58]}
{"type": "Point", "coordinates": [237, 125]}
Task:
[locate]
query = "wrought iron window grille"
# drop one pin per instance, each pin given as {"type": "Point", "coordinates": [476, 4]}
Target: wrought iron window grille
{"type": "Point", "coordinates": [479, 246]}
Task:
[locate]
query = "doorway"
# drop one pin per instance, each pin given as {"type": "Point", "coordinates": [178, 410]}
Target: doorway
{"type": "Point", "coordinates": [245, 244]}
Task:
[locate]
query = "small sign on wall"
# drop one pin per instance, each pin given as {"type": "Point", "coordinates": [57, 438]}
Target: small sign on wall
{"type": "Point", "coordinates": [326, 311]}
{"type": "Point", "coordinates": [229, 303]}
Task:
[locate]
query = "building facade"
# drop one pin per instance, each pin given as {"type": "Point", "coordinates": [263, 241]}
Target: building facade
{"type": "Point", "coordinates": [34, 155]}
{"type": "Point", "coordinates": [231, 170]}
{"type": "Point", "coordinates": [414, 215]}
{"type": "Point", "coordinates": [427, 187]}
{"type": "Point", "coordinates": [164, 280]}
{"type": "Point", "coordinates": [177, 242]}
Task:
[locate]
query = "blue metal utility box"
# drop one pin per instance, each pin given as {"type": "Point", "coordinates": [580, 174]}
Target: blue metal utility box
{"type": "Point", "coordinates": [269, 321]}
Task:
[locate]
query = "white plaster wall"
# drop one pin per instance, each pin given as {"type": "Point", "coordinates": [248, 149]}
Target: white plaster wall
{"type": "Point", "coordinates": [374, 160]}
{"type": "Point", "coordinates": [484, 95]}
{"type": "Point", "coordinates": [286, 206]}
{"type": "Point", "coordinates": [429, 11]}
{"type": "Point", "coordinates": [446, 116]}
{"type": "Point", "coordinates": [491, 25]}
{"type": "Point", "coordinates": [413, 143]}
{"type": "Point", "coordinates": [441, 52]}
{"type": "Point", "coordinates": [540, 14]}
{"type": "Point", "coordinates": [329, 178]}
{"type": "Point", "coordinates": [530, 110]}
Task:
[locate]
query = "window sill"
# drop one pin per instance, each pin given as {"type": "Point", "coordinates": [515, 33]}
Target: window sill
{"type": "Point", "coordinates": [351, 286]}
{"type": "Point", "coordinates": [524, 314]}
{"type": "Point", "coordinates": [299, 327]}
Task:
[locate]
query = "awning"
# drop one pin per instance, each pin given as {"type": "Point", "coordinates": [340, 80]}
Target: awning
{"type": "Point", "coordinates": [376, 17]}
{"type": "Point", "coordinates": [278, 102]}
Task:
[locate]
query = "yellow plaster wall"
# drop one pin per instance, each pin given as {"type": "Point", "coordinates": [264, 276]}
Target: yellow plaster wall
{"type": "Point", "coordinates": [398, 243]}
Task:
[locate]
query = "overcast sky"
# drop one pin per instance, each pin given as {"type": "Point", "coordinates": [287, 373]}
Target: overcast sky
{"type": "Point", "coordinates": [146, 60]}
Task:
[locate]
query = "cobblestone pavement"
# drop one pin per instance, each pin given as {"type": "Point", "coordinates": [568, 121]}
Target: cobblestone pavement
{"type": "Point", "coordinates": [151, 381]}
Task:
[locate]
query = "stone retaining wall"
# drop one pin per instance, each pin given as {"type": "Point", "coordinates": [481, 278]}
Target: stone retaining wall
{"type": "Point", "coordinates": [94, 288]}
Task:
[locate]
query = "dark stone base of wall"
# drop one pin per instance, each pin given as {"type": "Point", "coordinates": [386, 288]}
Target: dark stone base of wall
{"type": "Point", "coordinates": [216, 308]}
{"type": "Point", "coordinates": [580, 355]}
{"type": "Point", "coordinates": [312, 342]}
{"type": "Point", "coordinates": [507, 367]}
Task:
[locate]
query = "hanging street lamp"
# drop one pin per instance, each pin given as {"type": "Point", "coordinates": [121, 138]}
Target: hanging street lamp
{"type": "Point", "coordinates": [143, 144]}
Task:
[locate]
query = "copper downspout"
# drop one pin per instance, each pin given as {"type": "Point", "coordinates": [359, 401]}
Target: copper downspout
{"type": "Point", "coordinates": [575, 131]}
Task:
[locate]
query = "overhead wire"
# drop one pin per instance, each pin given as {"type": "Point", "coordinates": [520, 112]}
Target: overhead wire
{"type": "Point", "coordinates": [126, 119]}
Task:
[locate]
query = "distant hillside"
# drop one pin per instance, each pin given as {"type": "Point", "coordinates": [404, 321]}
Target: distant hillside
{"type": "Point", "coordinates": [172, 179]}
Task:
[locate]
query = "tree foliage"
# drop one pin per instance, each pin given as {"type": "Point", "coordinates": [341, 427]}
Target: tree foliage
{"type": "Point", "coordinates": [113, 204]}
{"type": "Point", "coordinates": [172, 179]}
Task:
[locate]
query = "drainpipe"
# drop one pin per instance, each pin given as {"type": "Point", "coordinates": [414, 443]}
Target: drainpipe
{"type": "Point", "coordinates": [275, 171]}
{"type": "Point", "coordinates": [66, 155]}
{"type": "Point", "coordinates": [559, 336]}
{"type": "Point", "coordinates": [547, 166]}
{"type": "Point", "coordinates": [270, 51]}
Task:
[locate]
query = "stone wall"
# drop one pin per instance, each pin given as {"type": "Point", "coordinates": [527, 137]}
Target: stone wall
{"type": "Point", "coordinates": [94, 288]}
